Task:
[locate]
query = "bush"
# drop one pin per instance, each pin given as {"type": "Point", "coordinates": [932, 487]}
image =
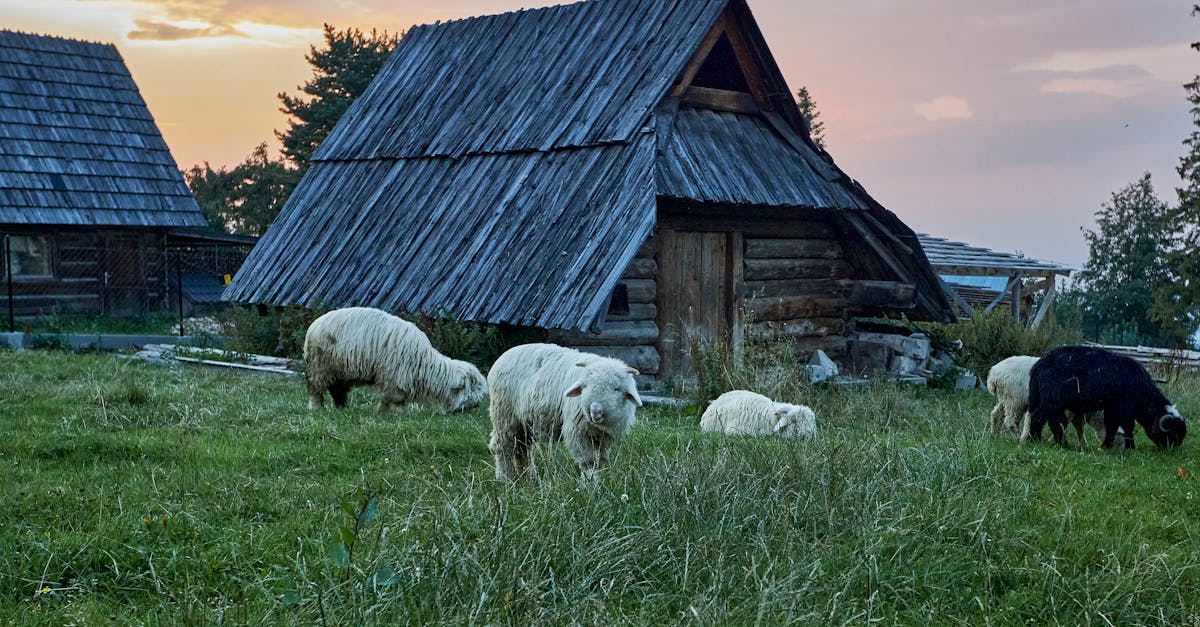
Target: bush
{"type": "Point", "coordinates": [478, 343]}
{"type": "Point", "coordinates": [280, 331]}
{"type": "Point", "coordinates": [768, 365]}
{"type": "Point", "coordinates": [277, 331]}
{"type": "Point", "coordinates": [992, 336]}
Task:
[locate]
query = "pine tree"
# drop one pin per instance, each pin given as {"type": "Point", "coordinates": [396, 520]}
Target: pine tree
{"type": "Point", "coordinates": [808, 109]}
{"type": "Point", "coordinates": [342, 70]}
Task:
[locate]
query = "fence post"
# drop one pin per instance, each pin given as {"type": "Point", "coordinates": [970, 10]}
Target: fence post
{"type": "Point", "coordinates": [179, 286]}
{"type": "Point", "coordinates": [12, 321]}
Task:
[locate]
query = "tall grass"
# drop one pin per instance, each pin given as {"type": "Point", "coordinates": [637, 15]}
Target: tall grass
{"type": "Point", "coordinates": [133, 494]}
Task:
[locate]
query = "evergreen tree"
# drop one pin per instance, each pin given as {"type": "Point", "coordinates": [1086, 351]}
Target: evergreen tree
{"type": "Point", "coordinates": [808, 108]}
{"type": "Point", "coordinates": [1126, 265]}
{"type": "Point", "coordinates": [244, 199]}
{"type": "Point", "coordinates": [1177, 305]}
{"type": "Point", "coordinates": [342, 70]}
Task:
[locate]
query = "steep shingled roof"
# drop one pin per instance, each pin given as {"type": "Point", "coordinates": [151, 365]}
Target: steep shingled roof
{"type": "Point", "coordinates": [506, 168]}
{"type": "Point", "coordinates": [77, 143]}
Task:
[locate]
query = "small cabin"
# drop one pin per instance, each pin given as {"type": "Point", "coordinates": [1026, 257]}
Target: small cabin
{"type": "Point", "coordinates": [627, 174]}
{"type": "Point", "coordinates": [89, 191]}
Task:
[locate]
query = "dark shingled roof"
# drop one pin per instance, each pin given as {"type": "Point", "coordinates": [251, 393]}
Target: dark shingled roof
{"type": "Point", "coordinates": [77, 144]}
{"type": "Point", "coordinates": [506, 168]}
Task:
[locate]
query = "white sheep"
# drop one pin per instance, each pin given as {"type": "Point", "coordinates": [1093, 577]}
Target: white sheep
{"type": "Point", "coordinates": [362, 346]}
{"type": "Point", "coordinates": [544, 393]}
{"type": "Point", "coordinates": [1008, 381]}
{"type": "Point", "coordinates": [749, 413]}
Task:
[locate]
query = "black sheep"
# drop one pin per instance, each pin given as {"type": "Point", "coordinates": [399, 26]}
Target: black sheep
{"type": "Point", "coordinates": [1085, 379]}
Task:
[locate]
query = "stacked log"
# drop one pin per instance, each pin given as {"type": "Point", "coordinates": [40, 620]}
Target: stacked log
{"type": "Point", "coordinates": [631, 335]}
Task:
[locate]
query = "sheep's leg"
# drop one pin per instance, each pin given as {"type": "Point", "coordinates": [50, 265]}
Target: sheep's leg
{"type": "Point", "coordinates": [524, 462]}
{"type": "Point", "coordinates": [504, 447]}
{"type": "Point", "coordinates": [1057, 426]}
{"type": "Point", "coordinates": [316, 397]}
{"type": "Point", "coordinates": [999, 416]}
{"type": "Point", "coordinates": [1076, 421]}
{"type": "Point", "coordinates": [340, 393]}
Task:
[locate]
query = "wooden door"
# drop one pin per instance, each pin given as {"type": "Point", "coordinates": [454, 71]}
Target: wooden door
{"type": "Point", "coordinates": [699, 274]}
{"type": "Point", "coordinates": [123, 278]}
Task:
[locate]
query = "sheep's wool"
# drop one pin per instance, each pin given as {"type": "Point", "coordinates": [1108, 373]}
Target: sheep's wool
{"type": "Point", "coordinates": [363, 346]}
{"type": "Point", "coordinates": [541, 393]}
{"type": "Point", "coordinates": [741, 412]}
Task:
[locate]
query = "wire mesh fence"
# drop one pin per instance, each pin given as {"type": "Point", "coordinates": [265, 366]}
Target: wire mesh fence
{"type": "Point", "coordinates": [53, 276]}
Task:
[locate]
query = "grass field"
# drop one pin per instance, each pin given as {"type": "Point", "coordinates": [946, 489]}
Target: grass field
{"type": "Point", "coordinates": [136, 494]}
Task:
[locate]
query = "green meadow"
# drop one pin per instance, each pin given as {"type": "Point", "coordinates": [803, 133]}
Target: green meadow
{"type": "Point", "coordinates": [135, 494]}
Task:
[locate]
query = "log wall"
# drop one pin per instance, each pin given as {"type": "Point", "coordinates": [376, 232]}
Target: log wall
{"type": "Point", "coordinates": [630, 336]}
{"type": "Point", "coordinates": [797, 286]}
{"type": "Point", "coordinates": [98, 272]}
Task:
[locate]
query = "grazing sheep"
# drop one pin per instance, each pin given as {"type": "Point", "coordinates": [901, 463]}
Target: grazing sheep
{"type": "Point", "coordinates": [544, 393]}
{"type": "Point", "coordinates": [749, 413]}
{"type": "Point", "coordinates": [1008, 381]}
{"type": "Point", "coordinates": [1085, 379]}
{"type": "Point", "coordinates": [362, 346]}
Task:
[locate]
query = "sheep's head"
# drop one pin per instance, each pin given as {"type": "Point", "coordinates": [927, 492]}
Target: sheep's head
{"type": "Point", "coordinates": [1168, 429]}
{"type": "Point", "coordinates": [794, 421]}
{"type": "Point", "coordinates": [468, 387]}
{"type": "Point", "coordinates": [606, 393]}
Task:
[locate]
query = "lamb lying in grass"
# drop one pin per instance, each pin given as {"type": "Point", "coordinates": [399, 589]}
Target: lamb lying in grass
{"type": "Point", "coordinates": [749, 413]}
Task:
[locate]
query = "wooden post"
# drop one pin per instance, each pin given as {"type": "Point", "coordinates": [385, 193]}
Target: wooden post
{"type": "Point", "coordinates": [1016, 298]}
{"type": "Point", "coordinates": [1047, 304]}
{"type": "Point", "coordinates": [179, 285]}
{"type": "Point", "coordinates": [12, 323]}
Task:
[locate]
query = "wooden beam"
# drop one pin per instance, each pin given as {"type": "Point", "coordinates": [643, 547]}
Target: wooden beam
{"type": "Point", "coordinates": [894, 264]}
{"type": "Point", "coordinates": [888, 232]}
{"type": "Point", "coordinates": [1016, 298]}
{"type": "Point", "coordinates": [688, 74]}
{"type": "Point", "coordinates": [966, 308]}
{"type": "Point", "coordinates": [720, 100]}
{"type": "Point", "coordinates": [887, 294]}
{"type": "Point", "coordinates": [1047, 303]}
{"type": "Point", "coordinates": [747, 61]}
{"type": "Point", "coordinates": [1003, 293]}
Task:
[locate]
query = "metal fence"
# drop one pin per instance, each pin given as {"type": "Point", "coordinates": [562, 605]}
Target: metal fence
{"type": "Point", "coordinates": [53, 277]}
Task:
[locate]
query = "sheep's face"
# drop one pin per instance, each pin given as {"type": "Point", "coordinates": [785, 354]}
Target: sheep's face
{"type": "Point", "coordinates": [606, 395]}
{"type": "Point", "coordinates": [1169, 429]}
{"type": "Point", "coordinates": [794, 421]}
{"type": "Point", "coordinates": [468, 387]}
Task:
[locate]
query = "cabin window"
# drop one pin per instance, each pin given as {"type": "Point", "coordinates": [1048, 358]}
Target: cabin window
{"type": "Point", "coordinates": [618, 305]}
{"type": "Point", "coordinates": [30, 255]}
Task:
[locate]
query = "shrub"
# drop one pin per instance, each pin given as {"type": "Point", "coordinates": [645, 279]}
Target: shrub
{"type": "Point", "coordinates": [768, 365]}
{"type": "Point", "coordinates": [475, 342]}
{"type": "Point", "coordinates": [275, 331]}
{"type": "Point", "coordinates": [989, 337]}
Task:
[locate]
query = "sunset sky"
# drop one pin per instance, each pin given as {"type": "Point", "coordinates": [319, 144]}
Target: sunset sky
{"type": "Point", "coordinates": [1003, 123]}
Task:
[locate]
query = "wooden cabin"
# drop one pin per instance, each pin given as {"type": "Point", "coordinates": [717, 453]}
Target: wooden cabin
{"type": "Point", "coordinates": [88, 188]}
{"type": "Point", "coordinates": [626, 174]}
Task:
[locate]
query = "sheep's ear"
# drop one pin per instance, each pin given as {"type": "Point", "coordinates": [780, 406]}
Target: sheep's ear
{"type": "Point", "coordinates": [780, 425]}
{"type": "Point", "coordinates": [633, 371]}
{"type": "Point", "coordinates": [634, 398]}
{"type": "Point", "coordinates": [574, 390]}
